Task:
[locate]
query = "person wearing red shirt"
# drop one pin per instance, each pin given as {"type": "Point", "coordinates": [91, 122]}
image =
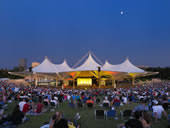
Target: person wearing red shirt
{"type": "Point", "coordinates": [39, 107]}
{"type": "Point", "coordinates": [26, 107]}
{"type": "Point", "coordinates": [90, 101]}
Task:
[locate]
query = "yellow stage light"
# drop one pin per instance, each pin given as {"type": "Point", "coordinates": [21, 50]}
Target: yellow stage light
{"type": "Point", "coordinates": [84, 81]}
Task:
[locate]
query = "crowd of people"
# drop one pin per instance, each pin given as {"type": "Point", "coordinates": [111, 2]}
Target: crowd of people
{"type": "Point", "coordinates": [152, 103]}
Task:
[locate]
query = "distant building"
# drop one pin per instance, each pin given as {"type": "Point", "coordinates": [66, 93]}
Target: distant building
{"type": "Point", "coordinates": [143, 66]}
{"type": "Point", "coordinates": [35, 64]}
{"type": "Point", "coordinates": [23, 63]}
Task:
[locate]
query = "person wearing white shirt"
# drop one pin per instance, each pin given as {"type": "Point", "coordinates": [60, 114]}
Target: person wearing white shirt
{"type": "Point", "coordinates": [21, 104]}
{"type": "Point", "coordinates": [106, 101]}
{"type": "Point", "coordinates": [158, 110]}
{"type": "Point", "coordinates": [124, 100]}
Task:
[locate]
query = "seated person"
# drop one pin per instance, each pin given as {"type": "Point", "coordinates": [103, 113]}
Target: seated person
{"type": "Point", "coordinates": [158, 110]}
{"type": "Point", "coordinates": [1, 101]}
{"type": "Point", "coordinates": [54, 101]}
{"type": "Point", "coordinates": [21, 104]}
{"type": "Point", "coordinates": [2, 117]}
{"type": "Point", "coordinates": [89, 101]}
{"type": "Point", "coordinates": [146, 120]}
{"type": "Point", "coordinates": [46, 100]}
{"type": "Point", "coordinates": [133, 123]}
{"type": "Point", "coordinates": [141, 107]}
{"type": "Point", "coordinates": [17, 116]}
{"type": "Point", "coordinates": [106, 101]}
{"type": "Point", "coordinates": [58, 122]}
{"type": "Point", "coordinates": [39, 107]}
{"type": "Point", "coordinates": [79, 103]}
{"type": "Point", "coordinates": [26, 106]}
{"type": "Point", "coordinates": [116, 101]}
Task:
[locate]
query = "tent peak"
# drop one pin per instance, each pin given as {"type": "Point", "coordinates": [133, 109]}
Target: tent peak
{"type": "Point", "coordinates": [65, 62]}
{"type": "Point", "coordinates": [107, 62]}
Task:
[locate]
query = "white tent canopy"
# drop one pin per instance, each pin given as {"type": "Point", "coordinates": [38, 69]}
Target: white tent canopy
{"type": "Point", "coordinates": [109, 67]}
{"type": "Point", "coordinates": [46, 67]}
{"type": "Point", "coordinates": [89, 65]}
{"type": "Point", "coordinates": [126, 66]}
{"type": "Point", "coordinates": [64, 67]}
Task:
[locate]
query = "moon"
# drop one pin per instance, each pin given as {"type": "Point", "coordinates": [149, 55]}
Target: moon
{"type": "Point", "coordinates": [121, 12]}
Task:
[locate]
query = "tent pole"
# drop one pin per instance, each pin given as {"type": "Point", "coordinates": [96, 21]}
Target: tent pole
{"type": "Point", "coordinates": [36, 80]}
{"type": "Point", "coordinates": [56, 84]}
{"type": "Point", "coordinates": [99, 79]}
{"type": "Point", "coordinates": [113, 82]}
{"type": "Point", "coordinates": [73, 83]}
{"type": "Point", "coordinates": [133, 81]}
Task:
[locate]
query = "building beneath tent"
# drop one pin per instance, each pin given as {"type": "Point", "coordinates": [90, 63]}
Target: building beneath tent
{"type": "Point", "coordinates": [89, 74]}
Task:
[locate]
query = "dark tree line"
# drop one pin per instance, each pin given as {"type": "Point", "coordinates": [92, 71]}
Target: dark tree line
{"type": "Point", "coordinates": [164, 72]}
{"type": "Point", "coordinates": [4, 73]}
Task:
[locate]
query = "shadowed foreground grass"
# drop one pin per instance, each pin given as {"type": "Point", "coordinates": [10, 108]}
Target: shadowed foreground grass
{"type": "Point", "coordinates": [87, 118]}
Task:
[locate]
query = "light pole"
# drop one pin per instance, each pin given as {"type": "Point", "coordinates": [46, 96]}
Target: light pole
{"type": "Point", "coordinates": [99, 70]}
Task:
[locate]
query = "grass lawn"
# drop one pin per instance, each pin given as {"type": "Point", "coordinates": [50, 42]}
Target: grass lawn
{"type": "Point", "coordinates": [87, 118]}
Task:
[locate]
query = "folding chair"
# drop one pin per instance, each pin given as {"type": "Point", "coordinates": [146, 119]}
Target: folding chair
{"type": "Point", "coordinates": [89, 105]}
{"type": "Point", "coordinates": [79, 105]}
{"type": "Point", "coordinates": [100, 114]}
{"type": "Point", "coordinates": [127, 113]}
{"type": "Point", "coordinates": [166, 106]}
{"type": "Point", "coordinates": [97, 100]}
{"type": "Point", "coordinates": [52, 104]}
{"type": "Point", "coordinates": [111, 113]}
{"type": "Point", "coordinates": [117, 104]}
{"type": "Point", "coordinates": [45, 103]}
{"type": "Point", "coordinates": [106, 105]}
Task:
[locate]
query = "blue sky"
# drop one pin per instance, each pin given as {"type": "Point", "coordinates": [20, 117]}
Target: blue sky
{"type": "Point", "coordinates": [70, 28]}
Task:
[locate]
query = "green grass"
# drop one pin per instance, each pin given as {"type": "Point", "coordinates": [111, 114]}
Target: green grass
{"type": "Point", "coordinates": [87, 118]}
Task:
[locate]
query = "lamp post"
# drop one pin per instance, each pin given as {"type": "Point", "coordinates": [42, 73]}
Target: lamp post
{"type": "Point", "coordinates": [99, 70]}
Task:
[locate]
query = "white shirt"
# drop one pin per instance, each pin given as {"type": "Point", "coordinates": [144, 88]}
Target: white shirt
{"type": "Point", "coordinates": [21, 105]}
{"type": "Point", "coordinates": [56, 98]}
{"type": "Point", "coordinates": [68, 97]}
{"type": "Point", "coordinates": [54, 101]}
{"type": "Point", "coordinates": [158, 109]}
{"type": "Point", "coordinates": [124, 100]}
{"type": "Point", "coordinates": [106, 101]}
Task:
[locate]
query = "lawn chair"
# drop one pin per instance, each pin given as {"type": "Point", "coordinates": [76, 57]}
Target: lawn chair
{"type": "Point", "coordinates": [106, 105]}
{"type": "Point", "coordinates": [45, 104]}
{"type": "Point", "coordinates": [110, 114]}
{"type": "Point", "coordinates": [100, 114]}
{"type": "Point", "coordinates": [117, 104]}
{"type": "Point", "coordinates": [89, 105]}
{"type": "Point", "coordinates": [97, 101]}
{"type": "Point", "coordinates": [52, 104]}
{"type": "Point", "coordinates": [166, 106]}
{"type": "Point", "coordinates": [127, 113]}
{"type": "Point", "coordinates": [79, 103]}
